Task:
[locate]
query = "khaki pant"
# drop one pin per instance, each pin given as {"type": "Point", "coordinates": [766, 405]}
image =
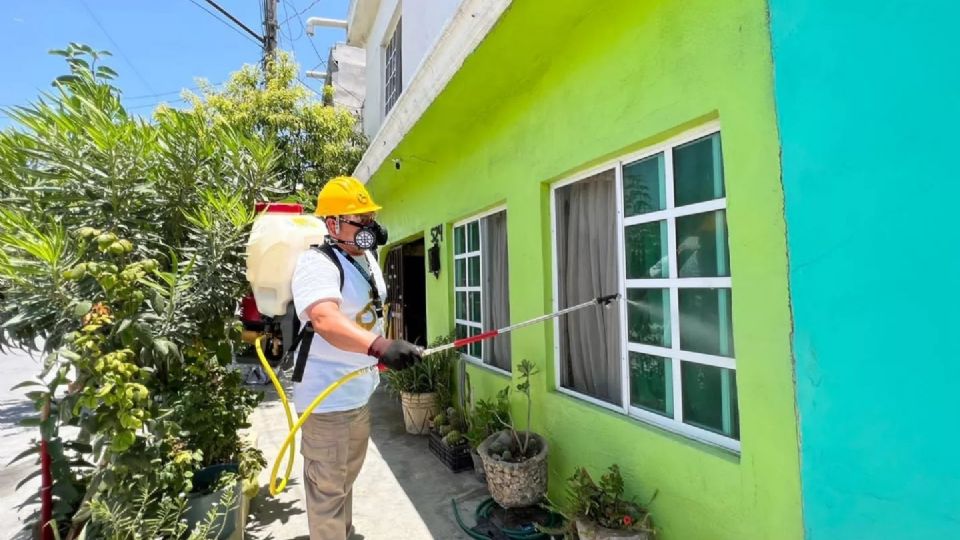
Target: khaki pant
{"type": "Point", "coordinates": [334, 446]}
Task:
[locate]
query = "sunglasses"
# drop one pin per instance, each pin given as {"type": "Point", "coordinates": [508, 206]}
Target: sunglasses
{"type": "Point", "coordinates": [363, 222]}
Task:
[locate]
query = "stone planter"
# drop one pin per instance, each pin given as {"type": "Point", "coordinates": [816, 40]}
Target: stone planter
{"type": "Point", "coordinates": [516, 485]}
{"type": "Point", "coordinates": [418, 411]}
{"type": "Point", "coordinates": [587, 530]}
{"type": "Point", "coordinates": [478, 466]}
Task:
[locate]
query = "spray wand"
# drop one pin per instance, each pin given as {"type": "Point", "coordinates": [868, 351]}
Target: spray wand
{"type": "Point", "coordinates": [462, 342]}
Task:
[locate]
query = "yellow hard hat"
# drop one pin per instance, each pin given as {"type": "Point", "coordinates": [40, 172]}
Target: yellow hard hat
{"type": "Point", "coordinates": [343, 196]}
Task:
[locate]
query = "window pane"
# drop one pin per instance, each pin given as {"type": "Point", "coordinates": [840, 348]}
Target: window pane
{"type": "Point", "coordinates": [698, 171]}
{"type": "Point", "coordinates": [461, 331]}
{"type": "Point", "coordinates": [458, 240]}
{"type": "Point", "coordinates": [462, 305]}
{"type": "Point", "coordinates": [648, 316]}
{"type": "Point", "coordinates": [651, 383]}
{"type": "Point", "coordinates": [473, 236]}
{"type": "Point", "coordinates": [475, 307]}
{"type": "Point", "coordinates": [647, 250]}
{"type": "Point", "coordinates": [710, 398]}
{"type": "Point", "coordinates": [643, 186]}
{"type": "Point", "coordinates": [476, 349]}
{"type": "Point", "coordinates": [705, 321]}
{"type": "Point", "coordinates": [474, 264]}
{"type": "Point", "coordinates": [460, 273]}
{"type": "Point", "coordinates": [702, 245]}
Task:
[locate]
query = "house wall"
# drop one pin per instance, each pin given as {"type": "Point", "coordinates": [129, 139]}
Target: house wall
{"type": "Point", "coordinates": [423, 21]}
{"type": "Point", "coordinates": [552, 92]}
{"type": "Point", "coordinates": [867, 98]}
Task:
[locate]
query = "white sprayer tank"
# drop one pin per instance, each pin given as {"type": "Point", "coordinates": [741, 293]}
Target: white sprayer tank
{"type": "Point", "coordinates": [279, 235]}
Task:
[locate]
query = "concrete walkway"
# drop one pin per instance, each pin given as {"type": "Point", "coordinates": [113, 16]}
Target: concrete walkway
{"type": "Point", "coordinates": [16, 366]}
{"type": "Point", "coordinates": [403, 491]}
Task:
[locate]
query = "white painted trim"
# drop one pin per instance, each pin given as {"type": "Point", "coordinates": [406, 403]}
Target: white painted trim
{"type": "Point", "coordinates": [693, 432]}
{"type": "Point", "coordinates": [479, 363]}
{"type": "Point", "coordinates": [686, 356]}
{"type": "Point", "coordinates": [622, 289]}
{"type": "Point", "coordinates": [463, 322]}
{"type": "Point", "coordinates": [467, 28]}
{"type": "Point", "coordinates": [592, 400]}
{"type": "Point", "coordinates": [555, 286]}
{"type": "Point", "coordinates": [682, 283]}
{"type": "Point", "coordinates": [683, 211]}
{"type": "Point", "coordinates": [690, 135]}
{"type": "Point", "coordinates": [479, 216]}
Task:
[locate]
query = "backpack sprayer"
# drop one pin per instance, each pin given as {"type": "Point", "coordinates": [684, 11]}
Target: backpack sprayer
{"type": "Point", "coordinates": [288, 443]}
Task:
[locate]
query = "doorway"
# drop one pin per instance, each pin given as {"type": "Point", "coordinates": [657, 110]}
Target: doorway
{"type": "Point", "coordinates": [406, 277]}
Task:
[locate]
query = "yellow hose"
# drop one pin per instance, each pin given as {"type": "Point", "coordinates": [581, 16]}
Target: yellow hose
{"type": "Point", "coordinates": [291, 436]}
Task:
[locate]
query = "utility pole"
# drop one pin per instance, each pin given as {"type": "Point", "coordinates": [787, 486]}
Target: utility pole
{"type": "Point", "coordinates": [269, 31]}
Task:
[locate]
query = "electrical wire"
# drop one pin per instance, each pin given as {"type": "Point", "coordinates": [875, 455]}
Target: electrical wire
{"type": "Point", "coordinates": [116, 46]}
{"type": "Point", "coordinates": [225, 23]}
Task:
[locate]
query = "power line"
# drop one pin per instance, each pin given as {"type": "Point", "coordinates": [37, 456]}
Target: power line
{"type": "Point", "coordinates": [298, 14]}
{"type": "Point", "coordinates": [287, 22]}
{"type": "Point", "coordinates": [116, 46]}
{"type": "Point", "coordinates": [228, 25]}
{"type": "Point", "coordinates": [235, 20]}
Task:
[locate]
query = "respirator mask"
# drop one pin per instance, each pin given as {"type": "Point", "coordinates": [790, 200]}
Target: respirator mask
{"type": "Point", "coordinates": [369, 235]}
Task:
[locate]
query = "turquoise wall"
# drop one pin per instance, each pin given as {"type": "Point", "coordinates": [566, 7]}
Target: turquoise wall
{"type": "Point", "coordinates": [868, 95]}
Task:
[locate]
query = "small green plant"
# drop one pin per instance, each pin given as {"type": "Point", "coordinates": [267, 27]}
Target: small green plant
{"type": "Point", "coordinates": [433, 374]}
{"type": "Point", "coordinates": [485, 417]}
{"type": "Point", "coordinates": [511, 446]}
{"type": "Point", "coordinates": [602, 503]}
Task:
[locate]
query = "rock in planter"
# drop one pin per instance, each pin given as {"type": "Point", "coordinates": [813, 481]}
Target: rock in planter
{"type": "Point", "coordinates": [418, 411]}
{"type": "Point", "coordinates": [515, 485]}
{"type": "Point", "coordinates": [587, 530]}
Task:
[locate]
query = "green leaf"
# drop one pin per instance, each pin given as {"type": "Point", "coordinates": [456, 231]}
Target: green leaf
{"type": "Point", "coordinates": [32, 421]}
{"type": "Point", "coordinates": [26, 384]}
{"type": "Point", "coordinates": [105, 389]}
{"type": "Point", "coordinates": [82, 308]}
{"type": "Point", "coordinates": [123, 441]}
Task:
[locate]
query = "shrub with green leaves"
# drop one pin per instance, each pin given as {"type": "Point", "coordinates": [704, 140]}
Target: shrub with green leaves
{"type": "Point", "coordinates": [122, 258]}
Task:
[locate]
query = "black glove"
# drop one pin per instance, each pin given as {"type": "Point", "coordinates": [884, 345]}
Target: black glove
{"type": "Point", "coordinates": [395, 353]}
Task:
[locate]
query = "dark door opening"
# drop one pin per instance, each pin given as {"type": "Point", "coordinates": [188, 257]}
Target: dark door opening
{"type": "Point", "coordinates": [406, 277]}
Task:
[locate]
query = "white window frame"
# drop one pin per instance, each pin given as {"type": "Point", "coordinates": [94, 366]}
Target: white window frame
{"type": "Point", "coordinates": [467, 289]}
{"type": "Point", "coordinates": [672, 354]}
{"type": "Point", "coordinates": [396, 23]}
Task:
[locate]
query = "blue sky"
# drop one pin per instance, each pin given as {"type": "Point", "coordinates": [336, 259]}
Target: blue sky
{"type": "Point", "coordinates": [158, 46]}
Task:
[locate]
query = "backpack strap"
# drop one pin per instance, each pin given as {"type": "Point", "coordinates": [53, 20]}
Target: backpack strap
{"type": "Point", "coordinates": [305, 337]}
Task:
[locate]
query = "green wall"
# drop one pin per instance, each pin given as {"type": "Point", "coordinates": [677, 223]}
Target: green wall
{"type": "Point", "coordinates": [559, 86]}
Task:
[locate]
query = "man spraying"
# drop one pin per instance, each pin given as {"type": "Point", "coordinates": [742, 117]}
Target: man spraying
{"type": "Point", "coordinates": [338, 290]}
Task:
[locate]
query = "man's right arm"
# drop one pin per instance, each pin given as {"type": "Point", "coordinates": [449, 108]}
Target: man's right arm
{"type": "Point", "coordinates": [330, 324]}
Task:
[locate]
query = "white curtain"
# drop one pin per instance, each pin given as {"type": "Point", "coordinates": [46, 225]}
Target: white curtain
{"type": "Point", "coordinates": [587, 267]}
{"type": "Point", "coordinates": [496, 291]}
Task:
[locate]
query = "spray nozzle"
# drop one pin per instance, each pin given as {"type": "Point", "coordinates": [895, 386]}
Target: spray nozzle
{"type": "Point", "coordinates": [606, 300]}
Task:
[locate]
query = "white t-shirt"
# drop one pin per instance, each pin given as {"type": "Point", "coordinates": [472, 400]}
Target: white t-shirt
{"type": "Point", "coordinates": [316, 278]}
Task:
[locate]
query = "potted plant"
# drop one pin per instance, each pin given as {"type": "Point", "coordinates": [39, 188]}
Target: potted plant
{"type": "Point", "coordinates": [422, 388]}
{"type": "Point", "coordinates": [515, 461]}
{"type": "Point", "coordinates": [599, 511]}
{"type": "Point", "coordinates": [483, 420]}
{"type": "Point", "coordinates": [447, 441]}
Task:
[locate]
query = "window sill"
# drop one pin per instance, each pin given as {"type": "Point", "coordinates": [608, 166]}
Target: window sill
{"type": "Point", "coordinates": [479, 363]}
{"type": "Point", "coordinates": [602, 407]}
